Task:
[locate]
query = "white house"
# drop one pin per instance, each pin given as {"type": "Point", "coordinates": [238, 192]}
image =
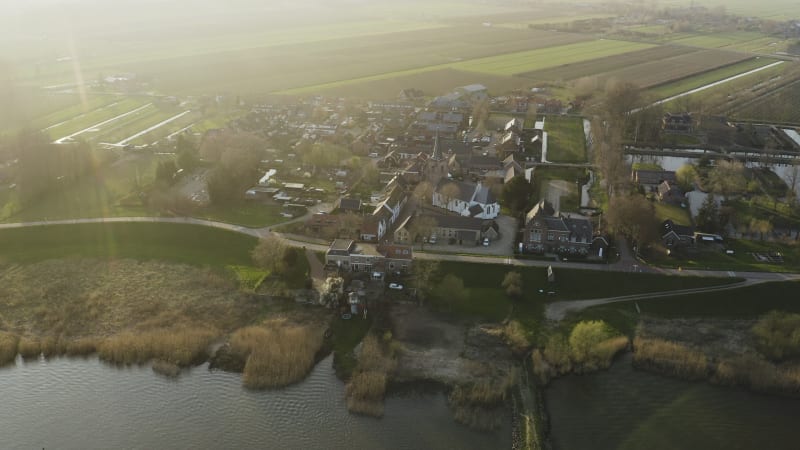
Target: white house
{"type": "Point", "coordinates": [466, 199]}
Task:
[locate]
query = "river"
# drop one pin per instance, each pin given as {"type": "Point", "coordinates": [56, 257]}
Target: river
{"type": "Point", "coordinates": [66, 403]}
{"type": "Point", "coordinates": [623, 408]}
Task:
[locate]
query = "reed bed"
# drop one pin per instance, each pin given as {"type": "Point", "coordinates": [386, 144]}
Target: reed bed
{"type": "Point", "coordinates": [476, 405]}
{"type": "Point", "coordinates": [758, 374]}
{"type": "Point", "coordinates": [669, 358]}
{"type": "Point", "coordinates": [182, 347]}
{"type": "Point", "coordinates": [8, 347]}
{"type": "Point", "coordinates": [366, 389]}
{"type": "Point", "coordinates": [277, 354]}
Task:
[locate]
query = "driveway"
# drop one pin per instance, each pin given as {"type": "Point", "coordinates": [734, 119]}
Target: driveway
{"type": "Point", "coordinates": [504, 246]}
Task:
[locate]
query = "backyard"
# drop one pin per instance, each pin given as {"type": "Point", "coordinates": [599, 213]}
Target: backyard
{"type": "Point", "coordinates": [566, 139]}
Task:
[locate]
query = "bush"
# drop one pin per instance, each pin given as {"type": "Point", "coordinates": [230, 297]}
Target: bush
{"type": "Point", "coordinates": [777, 335]}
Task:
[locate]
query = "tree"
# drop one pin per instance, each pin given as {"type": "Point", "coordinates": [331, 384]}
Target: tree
{"type": "Point", "coordinates": [187, 156]}
{"type": "Point", "coordinates": [270, 253]}
{"type": "Point", "coordinates": [760, 226]}
{"type": "Point", "coordinates": [517, 194]}
{"type": "Point", "coordinates": [621, 98]}
{"type": "Point", "coordinates": [727, 178]}
{"type": "Point", "coordinates": [708, 220]}
{"type": "Point", "coordinates": [423, 193]}
{"type": "Point", "coordinates": [422, 227]}
{"type": "Point", "coordinates": [449, 192]}
{"type": "Point", "coordinates": [512, 283]}
{"type": "Point", "coordinates": [451, 291]}
{"type": "Point", "coordinates": [634, 217]}
{"type": "Point", "coordinates": [687, 176]}
{"type": "Point", "coordinates": [165, 172]}
{"type": "Point", "coordinates": [425, 272]}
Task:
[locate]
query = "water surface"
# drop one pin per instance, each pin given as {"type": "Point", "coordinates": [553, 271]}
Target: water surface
{"type": "Point", "coordinates": [85, 404]}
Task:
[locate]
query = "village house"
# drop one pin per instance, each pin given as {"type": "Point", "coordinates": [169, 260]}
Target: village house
{"type": "Point", "coordinates": [678, 123]}
{"type": "Point", "coordinates": [547, 231]}
{"type": "Point", "coordinates": [346, 204]}
{"type": "Point", "coordinates": [668, 192]}
{"type": "Point", "coordinates": [349, 256]}
{"type": "Point", "coordinates": [384, 215]}
{"type": "Point", "coordinates": [649, 180]}
{"type": "Point", "coordinates": [450, 229]}
{"type": "Point", "coordinates": [676, 236]}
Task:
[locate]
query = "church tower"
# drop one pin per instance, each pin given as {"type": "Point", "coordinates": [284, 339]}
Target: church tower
{"type": "Point", "coordinates": [436, 165]}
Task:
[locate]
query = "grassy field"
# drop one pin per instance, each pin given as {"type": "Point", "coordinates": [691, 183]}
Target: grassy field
{"type": "Point", "coordinates": [666, 211]}
{"type": "Point", "coordinates": [488, 301]}
{"type": "Point", "coordinates": [741, 260]}
{"type": "Point", "coordinates": [777, 106]}
{"type": "Point", "coordinates": [188, 244]}
{"type": "Point", "coordinates": [696, 81]}
{"type": "Point", "coordinates": [744, 303]}
{"type": "Point", "coordinates": [60, 127]}
{"type": "Point", "coordinates": [566, 140]}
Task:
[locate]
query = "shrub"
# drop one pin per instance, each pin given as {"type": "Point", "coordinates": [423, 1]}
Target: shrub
{"type": "Point", "coordinates": [777, 335]}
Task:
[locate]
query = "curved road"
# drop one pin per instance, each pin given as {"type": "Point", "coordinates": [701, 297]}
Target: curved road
{"type": "Point", "coordinates": [554, 311]}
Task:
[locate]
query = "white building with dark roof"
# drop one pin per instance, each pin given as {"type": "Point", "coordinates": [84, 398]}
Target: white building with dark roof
{"type": "Point", "coordinates": [466, 199]}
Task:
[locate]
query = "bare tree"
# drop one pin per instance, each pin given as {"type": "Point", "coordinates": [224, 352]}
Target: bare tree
{"type": "Point", "coordinates": [423, 193]}
{"type": "Point", "coordinates": [449, 192]}
{"type": "Point", "coordinates": [422, 227]}
{"type": "Point", "coordinates": [269, 254]}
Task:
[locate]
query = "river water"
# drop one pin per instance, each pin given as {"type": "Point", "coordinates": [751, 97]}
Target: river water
{"type": "Point", "coordinates": [623, 408]}
{"type": "Point", "coordinates": [67, 403]}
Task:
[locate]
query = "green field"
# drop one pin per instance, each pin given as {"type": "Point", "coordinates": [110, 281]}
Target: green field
{"type": "Point", "coordinates": [566, 139]}
{"type": "Point", "coordinates": [777, 106]}
{"type": "Point", "coordinates": [488, 301]}
{"type": "Point", "coordinates": [522, 62]}
{"type": "Point", "coordinates": [189, 244]}
{"type": "Point", "coordinates": [748, 41]}
{"type": "Point", "coordinates": [665, 211]}
{"type": "Point", "coordinates": [744, 303]}
{"type": "Point", "coordinates": [696, 81]}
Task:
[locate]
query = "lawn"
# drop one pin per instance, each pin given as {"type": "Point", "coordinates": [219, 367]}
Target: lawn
{"type": "Point", "coordinates": [252, 215]}
{"type": "Point", "coordinates": [566, 139]}
{"type": "Point", "coordinates": [190, 244]}
{"type": "Point", "coordinates": [665, 211]}
{"type": "Point", "coordinates": [743, 303]}
{"type": "Point", "coordinates": [487, 300]}
{"type": "Point", "coordinates": [741, 260]}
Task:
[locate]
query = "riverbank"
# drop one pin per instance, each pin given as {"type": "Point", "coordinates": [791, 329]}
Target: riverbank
{"type": "Point", "coordinates": [133, 312]}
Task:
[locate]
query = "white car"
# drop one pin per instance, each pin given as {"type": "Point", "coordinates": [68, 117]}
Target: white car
{"type": "Point", "coordinates": [396, 286]}
{"type": "Point", "coordinates": [485, 242]}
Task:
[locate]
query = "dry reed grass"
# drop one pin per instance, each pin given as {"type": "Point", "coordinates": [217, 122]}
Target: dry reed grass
{"type": "Point", "coordinates": [476, 405]}
{"type": "Point", "coordinates": [758, 374]}
{"type": "Point", "coordinates": [182, 347]}
{"type": "Point", "coordinates": [365, 393]}
{"type": "Point", "coordinates": [277, 354]}
{"type": "Point", "coordinates": [670, 358]}
{"type": "Point", "coordinates": [366, 389]}
{"type": "Point", "coordinates": [8, 347]}
{"type": "Point", "coordinates": [29, 347]}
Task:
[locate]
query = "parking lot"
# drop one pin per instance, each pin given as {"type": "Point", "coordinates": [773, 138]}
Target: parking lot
{"type": "Point", "coordinates": [502, 246]}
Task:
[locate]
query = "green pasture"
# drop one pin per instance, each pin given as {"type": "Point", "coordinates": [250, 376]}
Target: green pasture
{"type": "Point", "coordinates": [189, 244]}
{"type": "Point", "coordinates": [748, 302]}
{"type": "Point", "coordinates": [566, 139]}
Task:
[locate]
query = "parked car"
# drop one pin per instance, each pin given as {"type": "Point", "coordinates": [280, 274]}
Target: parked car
{"type": "Point", "coordinates": [485, 242]}
{"type": "Point", "coordinates": [396, 286]}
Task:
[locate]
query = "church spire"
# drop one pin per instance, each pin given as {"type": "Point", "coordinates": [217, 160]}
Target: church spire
{"type": "Point", "coordinates": [437, 152]}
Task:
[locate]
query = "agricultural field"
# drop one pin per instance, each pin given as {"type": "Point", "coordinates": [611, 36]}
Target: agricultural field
{"type": "Point", "coordinates": [566, 139]}
{"type": "Point", "coordinates": [777, 106]}
{"type": "Point", "coordinates": [522, 62]}
{"type": "Point", "coordinates": [746, 41]}
{"type": "Point", "coordinates": [646, 68]}
{"type": "Point", "coordinates": [722, 96]}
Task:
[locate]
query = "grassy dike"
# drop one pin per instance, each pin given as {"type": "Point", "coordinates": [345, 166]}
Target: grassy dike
{"type": "Point", "coordinates": [140, 292]}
